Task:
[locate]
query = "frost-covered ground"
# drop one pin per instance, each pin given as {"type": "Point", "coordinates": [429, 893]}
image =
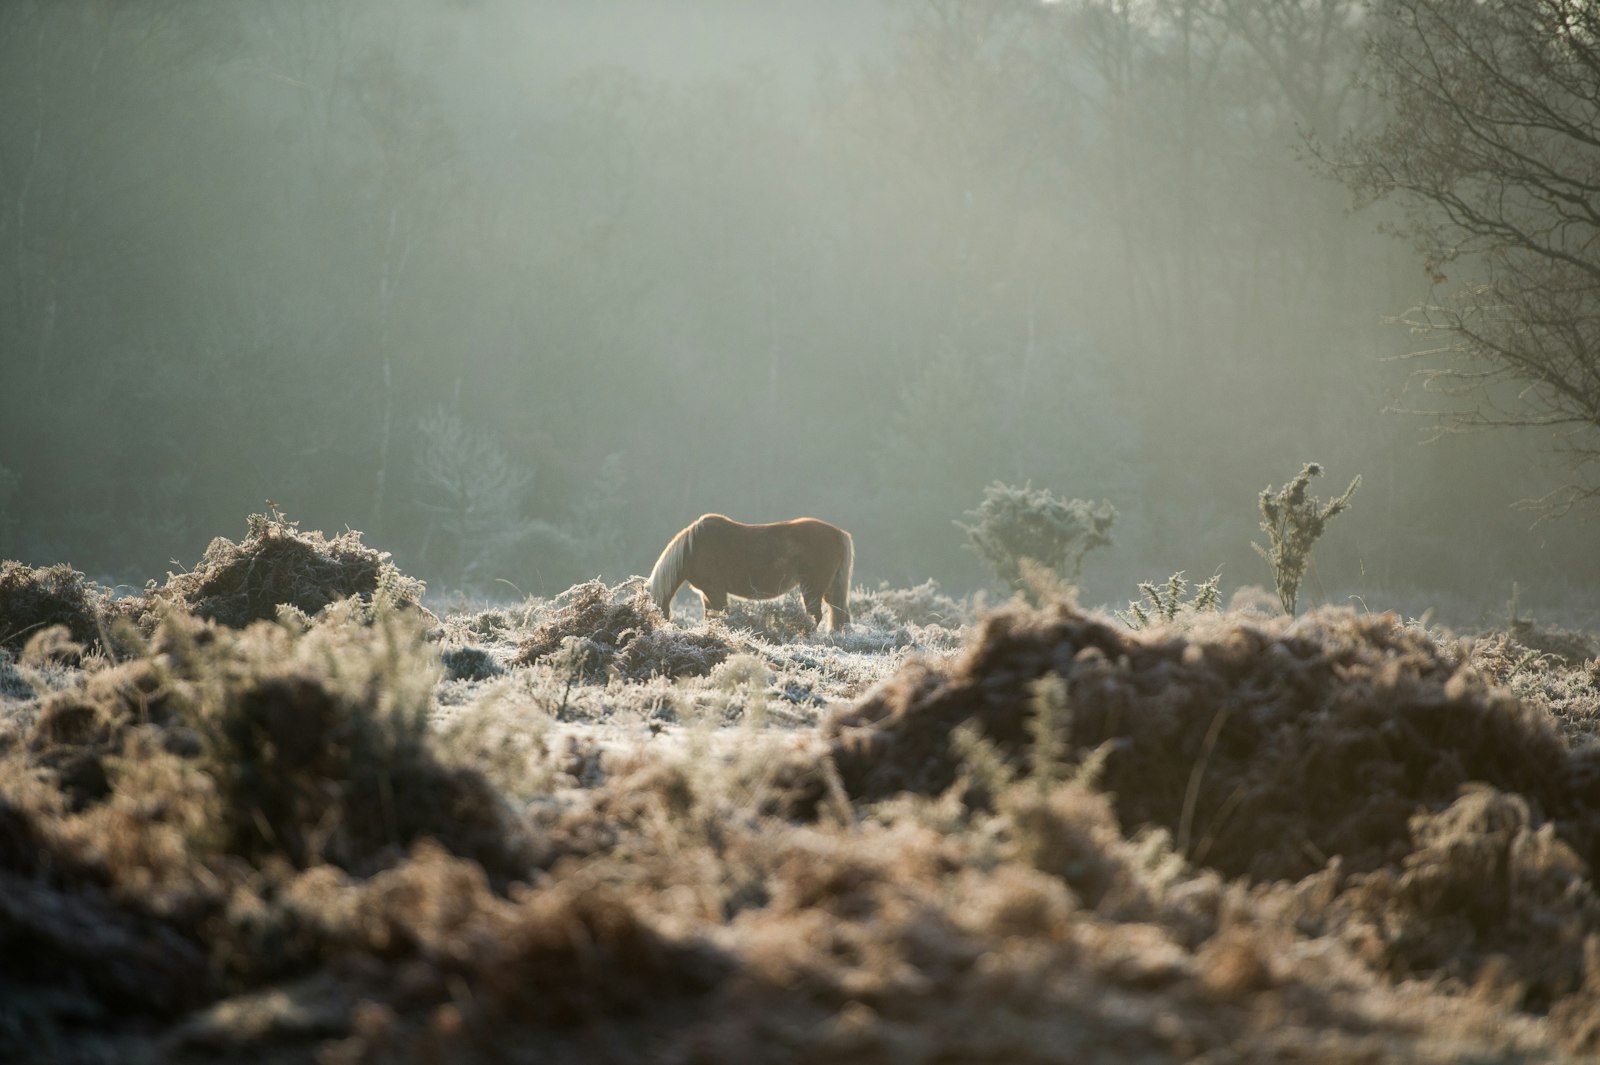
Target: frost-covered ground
{"type": "Point", "coordinates": [756, 676]}
{"type": "Point", "coordinates": [360, 828]}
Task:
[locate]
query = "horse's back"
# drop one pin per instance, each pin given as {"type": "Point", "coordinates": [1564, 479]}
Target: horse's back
{"type": "Point", "coordinates": [764, 559]}
{"type": "Point", "coordinates": [802, 526]}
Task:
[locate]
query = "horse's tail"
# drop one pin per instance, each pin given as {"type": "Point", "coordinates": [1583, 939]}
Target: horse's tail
{"type": "Point", "coordinates": [667, 575]}
{"type": "Point", "coordinates": [838, 595]}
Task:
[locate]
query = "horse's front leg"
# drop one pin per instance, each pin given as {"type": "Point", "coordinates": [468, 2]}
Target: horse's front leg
{"type": "Point", "coordinates": [813, 601]}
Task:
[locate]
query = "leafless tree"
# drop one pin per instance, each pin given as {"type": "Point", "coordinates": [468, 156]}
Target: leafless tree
{"type": "Point", "coordinates": [1492, 148]}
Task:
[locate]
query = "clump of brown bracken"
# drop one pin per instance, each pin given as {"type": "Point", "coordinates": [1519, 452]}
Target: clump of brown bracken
{"type": "Point", "coordinates": [277, 565]}
{"type": "Point", "coordinates": [1264, 748]}
{"type": "Point", "coordinates": [595, 631]}
{"type": "Point", "coordinates": [33, 599]}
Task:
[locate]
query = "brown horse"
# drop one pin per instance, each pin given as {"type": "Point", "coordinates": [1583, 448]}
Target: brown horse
{"type": "Point", "coordinates": [719, 557]}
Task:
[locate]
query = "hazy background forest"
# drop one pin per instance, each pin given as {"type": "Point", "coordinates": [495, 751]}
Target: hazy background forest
{"type": "Point", "coordinates": [521, 288]}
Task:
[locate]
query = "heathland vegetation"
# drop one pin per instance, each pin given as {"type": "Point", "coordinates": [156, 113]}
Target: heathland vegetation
{"type": "Point", "coordinates": [278, 809]}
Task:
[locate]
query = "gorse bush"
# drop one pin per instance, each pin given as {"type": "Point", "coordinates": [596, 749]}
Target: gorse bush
{"type": "Point", "coordinates": [1014, 524]}
{"type": "Point", "coordinates": [1293, 522]}
{"type": "Point", "coordinates": [1166, 602]}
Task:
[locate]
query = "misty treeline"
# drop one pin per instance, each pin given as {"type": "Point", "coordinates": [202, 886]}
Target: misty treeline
{"type": "Point", "coordinates": [521, 289]}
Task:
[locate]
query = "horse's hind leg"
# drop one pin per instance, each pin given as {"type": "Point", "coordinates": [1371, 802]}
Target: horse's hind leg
{"type": "Point", "coordinates": [838, 602]}
{"type": "Point", "coordinates": [713, 600]}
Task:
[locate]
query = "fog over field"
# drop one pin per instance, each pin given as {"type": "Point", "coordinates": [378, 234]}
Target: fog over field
{"type": "Point", "coordinates": [520, 289]}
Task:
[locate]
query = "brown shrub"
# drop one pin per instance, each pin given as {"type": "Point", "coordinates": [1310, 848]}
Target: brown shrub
{"type": "Point", "coordinates": [320, 749]}
{"type": "Point", "coordinates": [1565, 686]}
{"type": "Point", "coordinates": [1265, 748]}
{"type": "Point", "coordinates": [1486, 889]}
{"type": "Point", "coordinates": [669, 652]}
{"type": "Point", "coordinates": [1571, 647]}
{"type": "Point", "coordinates": [74, 947]}
{"type": "Point", "coordinates": [80, 942]}
{"type": "Point", "coordinates": [779, 620]}
{"type": "Point", "coordinates": [220, 767]}
{"type": "Point", "coordinates": [278, 565]}
{"type": "Point", "coordinates": [78, 728]}
{"type": "Point", "coordinates": [600, 630]}
{"type": "Point", "coordinates": [411, 940]}
{"type": "Point", "coordinates": [32, 599]}
{"type": "Point", "coordinates": [1070, 833]}
{"type": "Point", "coordinates": [316, 744]}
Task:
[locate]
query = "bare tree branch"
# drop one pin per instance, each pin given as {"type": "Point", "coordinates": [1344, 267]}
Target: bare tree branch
{"type": "Point", "coordinates": [1492, 147]}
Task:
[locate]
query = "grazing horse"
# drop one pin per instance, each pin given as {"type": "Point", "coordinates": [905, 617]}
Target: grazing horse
{"type": "Point", "coordinates": [719, 557]}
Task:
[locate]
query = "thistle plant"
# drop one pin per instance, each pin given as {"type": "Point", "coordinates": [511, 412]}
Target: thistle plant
{"type": "Point", "coordinates": [1293, 521]}
{"type": "Point", "coordinates": [1166, 602]}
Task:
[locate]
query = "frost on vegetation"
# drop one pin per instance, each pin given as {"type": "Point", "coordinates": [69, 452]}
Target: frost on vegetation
{"type": "Point", "coordinates": [922, 605]}
{"type": "Point", "coordinates": [1293, 522]}
{"type": "Point", "coordinates": [276, 565]}
{"type": "Point", "coordinates": [773, 620]}
{"type": "Point", "coordinates": [595, 631]}
{"type": "Point", "coordinates": [882, 623]}
{"type": "Point", "coordinates": [1166, 603]}
{"type": "Point", "coordinates": [513, 748]}
{"type": "Point", "coordinates": [1563, 645]}
{"type": "Point", "coordinates": [318, 742]}
{"type": "Point", "coordinates": [1239, 739]}
{"type": "Point", "coordinates": [172, 827]}
{"type": "Point", "coordinates": [282, 842]}
{"type": "Point", "coordinates": [1278, 751]}
{"type": "Point", "coordinates": [1016, 525]}
{"type": "Point", "coordinates": [1564, 685]}
{"type": "Point", "coordinates": [1488, 893]}
{"type": "Point", "coordinates": [14, 683]}
{"type": "Point", "coordinates": [276, 569]}
{"type": "Point", "coordinates": [35, 598]}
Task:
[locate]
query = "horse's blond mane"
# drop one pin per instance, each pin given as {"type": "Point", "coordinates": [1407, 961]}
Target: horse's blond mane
{"type": "Point", "coordinates": [668, 571]}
